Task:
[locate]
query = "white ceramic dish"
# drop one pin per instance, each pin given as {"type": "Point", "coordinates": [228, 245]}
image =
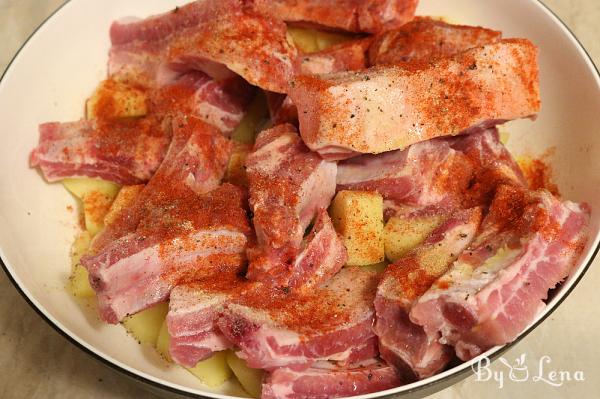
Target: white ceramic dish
{"type": "Point", "coordinates": [63, 61]}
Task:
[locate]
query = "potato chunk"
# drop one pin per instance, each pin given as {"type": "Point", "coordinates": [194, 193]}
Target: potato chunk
{"type": "Point", "coordinates": [163, 341]}
{"type": "Point", "coordinates": [79, 283]}
{"type": "Point", "coordinates": [213, 371]}
{"type": "Point", "coordinates": [313, 40]}
{"type": "Point", "coordinates": [358, 218]}
{"type": "Point", "coordinates": [116, 100]}
{"type": "Point", "coordinates": [250, 379]}
{"type": "Point", "coordinates": [256, 116]}
{"type": "Point", "coordinates": [402, 234]}
{"type": "Point", "coordinates": [124, 199]}
{"type": "Point", "coordinates": [145, 326]}
{"type": "Point", "coordinates": [96, 196]}
{"type": "Point", "coordinates": [236, 170]}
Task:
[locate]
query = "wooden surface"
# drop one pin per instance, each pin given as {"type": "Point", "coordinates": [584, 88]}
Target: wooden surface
{"type": "Point", "coordinates": [36, 362]}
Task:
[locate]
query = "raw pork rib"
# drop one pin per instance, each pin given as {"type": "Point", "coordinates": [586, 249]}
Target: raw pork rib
{"type": "Point", "coordinates": [388, 108]}
{"type": "Point", "coordinates": [448, 173]}
{"type": "Point", "coordinates": [181, 227]}
{"type": "Point", "coordinates": [221, 104]}
{"type": "Point", "coordinates": [281, 328]}
{"type": "Point", "coordinates": [528, 244]}
{"type": "Point", "coordinates": [192, 319]}
{"type": "Point", "coordinates": [346, 56]}
{"type": "Point", "coordinates": [251, 45]}
{"type": "Point", "coordinates": [350, 15]}
{"type": "Point", "coordinates": [426, 173]}
{"type": "Point", "coordinates": [404, 345]}
{"type": "Point", "coordinates": [138, 46]}
{"type": "Point", "coordinates": [424, 39]}
{"type": "Point", "coordinates": [324, 381]}
{"type": "Point", "coordinates": [126, 152]}
{"type": "Point", "coordinates": [288, 186]}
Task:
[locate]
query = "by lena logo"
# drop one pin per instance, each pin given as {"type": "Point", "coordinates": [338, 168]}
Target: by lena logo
{"type": "Point", "coordinates": [519, 372]}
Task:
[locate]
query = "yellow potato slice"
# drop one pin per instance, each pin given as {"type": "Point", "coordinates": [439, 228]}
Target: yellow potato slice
{"type": "Point", "coordinates": [162, 342]}
{"type": "Point", "coordinates": [124, 198]}
{"type": "Point", "coordinates": [255, 118]}
{"type": "Point", "coordinates": [96, 196]}
{"type": "Point", "coordinates": [358, 218]}
{"type": "Point", "coordinates": [402, 234]}
{"type": "Point", "coordinates": [116, 100]}
{"type": "Point", "coordinates": [145, 326]}
{"type": "Point", "coordinates": [213, 371]}
{"type": "Point", "coordinates": [236, 171]}
{"type": "Point", "coordinates": [313, 40]}
{"type": "Point", "coordinates": [250, 379]}
{"type": "Point", "coordinates": [79, 283]}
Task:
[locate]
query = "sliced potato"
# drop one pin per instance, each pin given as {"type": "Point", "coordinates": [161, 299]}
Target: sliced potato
{"type": "Point", "coordinates": [358, 218]}
{"type": "Point", "coordinates": [145, 326]}
{"type": "Point", "coordinates": [213, 371]}
{"type": "Point", "coordinates": [114, 99]}
{"type": "Point", "coordinates": [257, 115]}
{"type": "Point", "coordinates": [124, 198]}
{"type": "Point", "coordinates": [250, 379]}
{"type": "Point", "coordinates": [79, 283]}
{"type": "Point", "coordinates": [312, 40]}
{"type": "Point", "coordinates": [377, 267]}
{"type": "Point", "coordinates": [236, 171]}
{"type": "Point", "coordinates": [96, 195]}
{"type": "Point", "coordinates": [162, 342]}
{"type": "Point", "coordinates": [402, 234]}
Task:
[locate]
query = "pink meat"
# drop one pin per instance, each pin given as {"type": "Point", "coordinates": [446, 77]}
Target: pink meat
{"type": "Point", "coordinates": [180, 227]}
{"type": "Point", "coordinates": [323, 381]}
{"type": "Point", "coordinates": [279, 328]}
{"type": "Point", "coordinates": [127, 152]}
{"type": "Point", "coordinates": [193, 312]}
{"type": "Point", "coordinates": [350, 15]}
{"type": "Point", "coordinates": [248, 44]}
{"type": "Point", "coordinates": [390, 107]}
{"type": "Point", "coordinates": [403, 344]}
{"type": "Point", "coordinates": [442, 173]}
{"type": "Point", "coordinates": [323, 255]}
{"type": "Point", "coordinates": [161, 26]}
{"type": "Point", "coordinates": [425, 39]}
{"type": "Point", "coordinates": [346, 56]}
{"type": "Point", "coordinates": [288, 185]}
{"type": "Point", "coordinates": [221, 104]}
{"type": "Point", "coordinates": [486, 300]}
{"type": "Point", "coordinates": [426, 173]}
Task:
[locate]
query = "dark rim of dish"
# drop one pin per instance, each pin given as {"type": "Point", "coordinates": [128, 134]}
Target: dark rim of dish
{"type": "Point", "coordinates": [456, 376]}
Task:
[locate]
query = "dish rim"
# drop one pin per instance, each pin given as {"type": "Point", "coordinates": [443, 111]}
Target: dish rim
{"type": "Point", "coordinates": [457, 375]}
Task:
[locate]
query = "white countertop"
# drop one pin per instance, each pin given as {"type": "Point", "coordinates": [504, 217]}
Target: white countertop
{"type": "Point", "coordinates": [36, 362]}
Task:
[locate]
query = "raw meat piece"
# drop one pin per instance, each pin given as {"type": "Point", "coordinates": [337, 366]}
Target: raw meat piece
{"type": "Point", "coordinates": [126, 152]}
{"type": "Point", "coordinates": [288, 185]}
{"type": "Point", "coordinates": [251, 45]}
{"type": "Point", "coordinates": [181, 227]}
{"type": "Point", "coordinates": [388, 108]}
{"type": "Point", "coordinates": [161, 26]}
{"type": "Point", "coordinates": [425, 39]}
{"type": "Point", "coordinates": [424, 174]}
{"type": "Point", "coordinates": [221, 104]}
{"type": "Point", "coordinates": [346, 56]}
{"type": "Point", "coordinates": [277, 327]}
{"type": "Point", "coordinates": [529, 243]}
{"type": "Point", "coordinates": [323, 381]}
{"type": "Point", "coordinates": [192, 319]}
{"type": "Point", "coordinates": [403, 344]}
{"type": "Point", "coordinates": [350, 15]}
